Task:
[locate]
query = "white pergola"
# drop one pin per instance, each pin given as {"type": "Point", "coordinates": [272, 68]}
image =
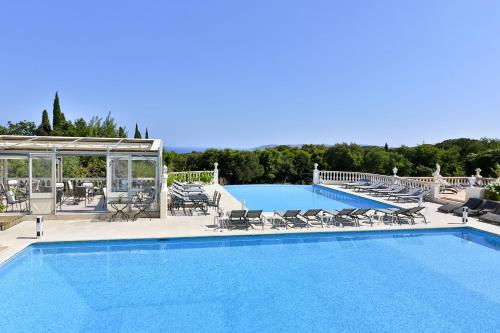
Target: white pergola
{"type": "Point", "coordinates": [120, 154]}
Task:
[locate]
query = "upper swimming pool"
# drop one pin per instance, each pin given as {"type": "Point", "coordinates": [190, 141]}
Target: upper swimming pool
{"type": "Point", "coordinates": [397, 281]}
{"type": "Point", "coordinates": [282, 197]}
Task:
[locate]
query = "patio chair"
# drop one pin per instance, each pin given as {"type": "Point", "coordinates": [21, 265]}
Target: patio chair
{"type": "Point", "coordinates": [143, 203]}
{"type": "Point", "coordinates": [292, 218]}
{"type": "Point", "coordinates": [237, 219]}
{"type": "Point", "coordinates": [80, 193]}
{"type": "Point", "coordinates": [215, 201]}
{"type": "Point", "coordinates": [313, 216]}
{"type": "Point", "coordinates": [254, 217]}
{"type": "Point", "coordinates": [472, 203]}
{"type": "Point", "coordinates": [12, 200]}
{"type": "Point", "coordinates": [487, 206]}
{"type": "Point", "coordinates": [59, 199]}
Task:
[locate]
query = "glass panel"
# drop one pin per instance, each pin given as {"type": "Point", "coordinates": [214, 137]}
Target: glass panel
{"type": "Point", "coordinates": [144, 176]}
{"type": "Point", "coordinates": [41, 174]}
{"type": "Point", "coordinates": [14, 174]}
{"type": "Point", "coordinates": [14, 192]}
{"type": "Point", "coordinates": [119, 174]}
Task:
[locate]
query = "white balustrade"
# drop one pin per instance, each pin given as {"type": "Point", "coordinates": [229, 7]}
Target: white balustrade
{"type": "Point", "coordinates": [192, 176]}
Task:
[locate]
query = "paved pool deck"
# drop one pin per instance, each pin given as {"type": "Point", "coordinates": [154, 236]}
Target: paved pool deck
{"type": "Point", "coordinates": [22, 235]}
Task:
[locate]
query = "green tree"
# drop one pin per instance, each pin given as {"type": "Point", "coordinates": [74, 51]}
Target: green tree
{"type": "Point", "coordinates": [146, 135]}
{"type": "Point", "coordinates": [386, 147]}
{"type": "Point", "coordinates": [122, 133]}
{"type": "Point", "coordinates": [137, 134]}
{"type": "Point", "coordinates": [22, 127]}
{"type": "Point", "coordinates": [58, 118]}
{"type": "Point", "coordinates": [44, 127]}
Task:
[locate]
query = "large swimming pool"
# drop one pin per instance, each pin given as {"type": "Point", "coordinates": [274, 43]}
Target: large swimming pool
{"type": "Point", "coordinates": [282, 197]}
{"type": "Point", "coordinates": [432, 281]}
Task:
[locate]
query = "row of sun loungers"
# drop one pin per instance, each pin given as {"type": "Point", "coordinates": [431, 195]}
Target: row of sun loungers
{"type": "Point", "coordinates": [191, 196]}
{"type": "Point", "coordinates": [486, 210]}
{"type": "Point", "coordinates": [398, 193]}
{"type": "Point", "coordinates": [322, 218]}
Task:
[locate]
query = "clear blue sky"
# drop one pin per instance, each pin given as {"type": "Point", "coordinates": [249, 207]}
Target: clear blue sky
{"type": "Point", "coordinates": [246, 73]}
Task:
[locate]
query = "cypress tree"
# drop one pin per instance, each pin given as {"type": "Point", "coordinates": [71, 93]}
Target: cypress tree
{"type": "Point", "coordinates": [121, 132]}
{"type": "Point", "coordinates": [137, 134]}
{"type": "Point", "coordinates": [57, 116]}
{"type": "Point", "coordinates": [146, 135]}
{"type": "Point", "coordinates": [386, 147]}
{"type": "Point", "coordinates": [44, 128]}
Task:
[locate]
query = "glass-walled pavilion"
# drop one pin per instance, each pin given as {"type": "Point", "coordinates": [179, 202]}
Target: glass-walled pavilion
{"type": "Point", "coordinates": [33, 179]}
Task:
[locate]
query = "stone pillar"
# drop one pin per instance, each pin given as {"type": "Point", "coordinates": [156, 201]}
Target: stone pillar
{"type": "Point", "coordinates": [215, 180]}
{"type": "Point", "coordinates": [316, 179]}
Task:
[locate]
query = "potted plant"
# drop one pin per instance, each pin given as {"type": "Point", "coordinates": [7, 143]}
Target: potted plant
{"type": "Point", "coordinates": [493, 189]}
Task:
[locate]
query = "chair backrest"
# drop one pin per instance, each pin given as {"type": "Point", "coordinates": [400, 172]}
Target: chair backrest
{"type": "Point", "coordinates": [237, 214]}
{"type": "Point", "coordinates": [59, 195]}
{"type": "Point", "coordinates": [312, 212]}
{"type": "Point", "coordinates": [489, 205]}
{"type": "Point", "coordinates": [254, 214]}
{"type": "Point", "coordinates": [361, 211]}
{"type": "Point", "coordinates": [80, 191]}
{"type": "Point", "coordinates": [414, 191]}
{"type": "Point", "coordinates": [473, 203]}
{"type": "Point", "coordinates": [291, 213]}
{"type": "Point", "coordinates": [346, 211]}
{"type": "Point", "coordinates": [10, 197]}
{"type": "Point", "coordinates": [70, 185]}
{"type": "Point", "coordinates": [416, 209]}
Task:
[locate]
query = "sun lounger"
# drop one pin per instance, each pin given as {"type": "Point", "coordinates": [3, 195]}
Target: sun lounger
{"type": "Point", "coordinates": [418, 197]}
{"type": "Point", "coordinates": [387, 189]}
{"type": "Point", "coordinates": [356, 183]}
{"type": "Point", "coordinates": [493, 217]}
{"type": "Point", "coordinates": [187, 185]}
{"type": "Point", "coordinates": [313, 216]}
{"type": "Point", "coordinates": [369, 187]}
{"type": "Point", "coordinates": [254, 217]}
{"type": "Point", "coordinates": [342, 216]}
{"type": "Point", "coordinates": [415, 213]}
{"type": "Point", "coordinates": [237, 219]}
{"type": "Point", "coordinates": [360, 214]}
{"type": "Point", "coordinates": [292, 218]}
{"type": "Point", "coordinates": [411, 192]}
{"type": "Point", "coordinates": [472, 203]}
{"type": "Point", "coordinates": [392, 214]}
{"type": "Point", "coordinates": [487, 206]}
{"type": "Point", "coordinates": [383, 192]}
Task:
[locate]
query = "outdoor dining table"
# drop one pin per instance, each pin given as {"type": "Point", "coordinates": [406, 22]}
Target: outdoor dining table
{"type": "Point", "coordinates": [119, 206]}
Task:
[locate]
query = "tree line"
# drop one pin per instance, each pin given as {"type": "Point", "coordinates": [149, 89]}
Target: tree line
{"type": "Point", "coordinates": [293, 165]}
{"type": "Point", "coordinates": [60, 126]}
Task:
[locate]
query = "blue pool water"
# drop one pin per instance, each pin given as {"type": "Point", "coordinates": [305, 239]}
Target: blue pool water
{"type": "Point", "coordinates": [432, 281]}
{"type": "Point", "coordinates": [282, 197]}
